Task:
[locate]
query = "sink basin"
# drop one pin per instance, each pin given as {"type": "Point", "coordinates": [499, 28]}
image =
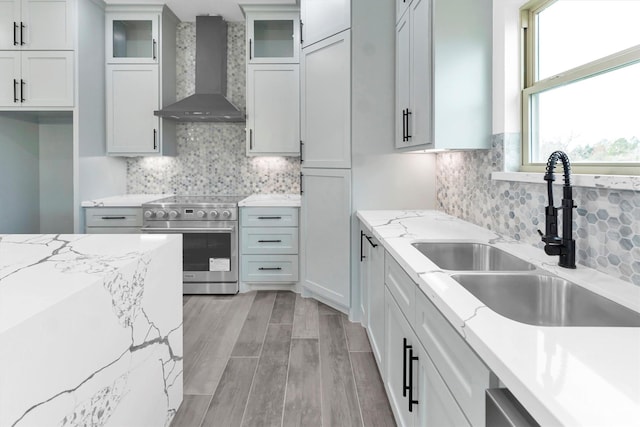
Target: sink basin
{"type": "Point", "coordinates": [467, 256]}
{"type": "Point", "coordinates": [546, 300]}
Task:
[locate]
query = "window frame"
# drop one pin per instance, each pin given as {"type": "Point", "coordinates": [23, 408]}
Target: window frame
{"type": "Point", "coordinates": [530, 87]}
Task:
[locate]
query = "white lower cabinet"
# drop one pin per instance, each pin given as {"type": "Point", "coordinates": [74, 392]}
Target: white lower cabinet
{"type": "Point", "coordinates": [372, 293]}
{"type": "Point", "coordinates": [113, 220]}
{"type": "Point", "coordinates": [431, 375]}
{"type": "Point", "coordinates": [401, 379]}
{"type": "Point", "coordinates": [326, 228]}
{"type": "Point", "coordinates": [417, 394]}
{"type": "Point", "coordinates": [269, 245]}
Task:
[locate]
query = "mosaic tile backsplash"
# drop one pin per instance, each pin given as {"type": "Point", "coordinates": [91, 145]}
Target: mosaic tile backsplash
{"type": "Point", "coordinates": [606, 223]}
{"type": "Point", "coordinates": [211, 157]}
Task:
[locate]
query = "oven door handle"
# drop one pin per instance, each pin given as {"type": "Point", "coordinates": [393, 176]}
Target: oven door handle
{"type": "Point", "coordinates": [188, 230]}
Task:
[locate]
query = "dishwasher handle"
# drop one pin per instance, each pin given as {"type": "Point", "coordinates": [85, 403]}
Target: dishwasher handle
{"type": "Point", "coordinates": [504, 410]}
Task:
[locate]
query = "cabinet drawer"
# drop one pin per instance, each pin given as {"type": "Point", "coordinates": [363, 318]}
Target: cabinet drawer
{"type": "Point", "coordinates": [269, 217]}
{"type": "Point", "coordinates": [269, 268]}
{"type": "Point", "coordinates": [465, 374]}
{"type": "Point", "coordinates": [269, 240]}
{"type": "Point", "coordinates": [113, 217]}
{"type": "Point", "coordinates": [112, 230]}
{"type": "Point", "coordinates": [400, 285]}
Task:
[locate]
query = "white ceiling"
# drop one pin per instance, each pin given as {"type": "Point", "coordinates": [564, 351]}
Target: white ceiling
{"type": "Point", "coordinates": [188, 9]}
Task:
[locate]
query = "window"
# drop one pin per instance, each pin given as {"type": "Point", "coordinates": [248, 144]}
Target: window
{"type": "Point", "coordinates": [582, 84]}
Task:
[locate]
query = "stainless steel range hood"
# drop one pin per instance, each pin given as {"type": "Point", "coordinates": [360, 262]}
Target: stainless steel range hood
{"type": "Point", "coordinates": [209, 103]}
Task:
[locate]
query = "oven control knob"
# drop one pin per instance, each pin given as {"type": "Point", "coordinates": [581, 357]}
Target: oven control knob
{"type": "Point", "coordinates": [201, 214]}
{"type": "Point", "coordinates": [213, 214]}
{"type": "Point", "coordinates": [174, 214]}
{"type": "Point", "coordinates": [148, 214]}
{"type": "Point", "coordinates": [161, 214]}
{"type": "Point", "coordinates": [226, 214]}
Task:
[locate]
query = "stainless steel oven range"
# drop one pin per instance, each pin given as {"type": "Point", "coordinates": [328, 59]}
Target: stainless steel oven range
{"type": "Point", "coordinates": [209, 226]}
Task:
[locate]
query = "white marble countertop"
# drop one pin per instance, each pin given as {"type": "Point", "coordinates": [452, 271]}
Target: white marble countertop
{"type": "Point", "coordinates": [39, 271]}
{"type": "Point", "coordinates": [123, 201]}
{"type": "Point", "coordinates": [90, 330]}
{"type": "Point", "coordinates": [572, 376]}
{"type": "Point", "coordinates": [269, 200]}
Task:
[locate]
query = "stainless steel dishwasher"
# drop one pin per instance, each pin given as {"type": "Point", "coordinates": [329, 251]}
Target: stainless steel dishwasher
{"type": "Point", "coordinates": [504, 410]}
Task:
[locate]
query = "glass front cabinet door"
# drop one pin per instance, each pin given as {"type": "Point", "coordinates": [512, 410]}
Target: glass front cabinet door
{"type": "Point", "coordinates": [132, 38]}
{"type": "Point", "coordinates": [273, 37]}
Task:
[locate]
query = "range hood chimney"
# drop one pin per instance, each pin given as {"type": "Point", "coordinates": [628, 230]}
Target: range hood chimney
{"type": "Point", "coordinates": [209, 103]}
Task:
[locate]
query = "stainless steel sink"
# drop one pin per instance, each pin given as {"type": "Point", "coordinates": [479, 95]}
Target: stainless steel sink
{"type": "Point", "coordinates": [546, 300]}
{"type": "Point", "coordinates": [467, 256]}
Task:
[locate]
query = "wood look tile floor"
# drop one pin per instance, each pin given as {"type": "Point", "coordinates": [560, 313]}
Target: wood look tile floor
{"type": "Point", "coordinates": [276, 359]}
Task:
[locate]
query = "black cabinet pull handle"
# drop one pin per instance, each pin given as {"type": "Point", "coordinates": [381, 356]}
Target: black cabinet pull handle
{"type": "Point", "coordinates": [155, 44]}
{"type": "Point", "coordinates": [412, 359]}
{"type": "Point", "coordinates": [301, 144]}
{"type": "Point", "coordinates": [405, 347]}
{"type": "Point", "coordinates": [370, 241]}
{"type": "Point", "coordinates": [269, 241]}
{"type": "Point", "coordinates": [404, 125]}
{"type": "Point", "coordinates": [269, 217]}
{"type": "Point", "coordinates": [250, 139]}
{"type": "Point", "coordinates": [301, 24]}
{"type": "Point", "coordinates": [269, 268]}
{"type": "Point", "coordinates": [15, 91]}
{"type": "Point", "coordinates": [155, 139]}
{"type": "Point", "coordinates": [250, 47]}
{"type": "Point", "coordinates": [22, 43]}
{"type": "Point", "coordinates": [408, 134]}
{"type": "Point", "coordinates": [15, 30]}
{"type": "Point", "coordinates": [22, 83]}
{"type": "Point", "coordinates": [301, 176]}
{"type": "Point", "coordinates": [114, 217]}
{"type": "Point", "coordinates": [362, 257]}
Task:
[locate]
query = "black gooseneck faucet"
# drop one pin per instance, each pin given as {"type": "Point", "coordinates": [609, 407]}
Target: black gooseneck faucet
{"type": "Point", "coordinates": [554, 245]}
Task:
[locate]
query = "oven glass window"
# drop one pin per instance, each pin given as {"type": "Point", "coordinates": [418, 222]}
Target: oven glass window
{"type": "Point", "coordinates": [201, 248]}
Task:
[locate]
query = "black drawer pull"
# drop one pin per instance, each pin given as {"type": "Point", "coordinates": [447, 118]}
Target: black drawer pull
{"type": "Point", "coordinates": [114, 217]}
{"type": "Point", "coordinates": [269, 217]}
{"type": "Point", "coordinates": [412, 359]}
{"type": "Point", "coordinates": [15, 29]}
{"type": "Point", "coordinates": [15, 91]}
{"type": "Point", "coordinates": [22, 43]}
{"type": "Point", "coordinates": [269, 241]}
{"type": "Point", "coordinates": [22, 83]}
{"type": "Point", "coordinates": [269, 268]}
{"type": "Point", "coordinates": [405, 347]}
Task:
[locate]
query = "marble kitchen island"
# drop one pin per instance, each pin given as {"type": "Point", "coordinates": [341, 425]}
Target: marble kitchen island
{"type": "Point", "coordinates": [90, 330]}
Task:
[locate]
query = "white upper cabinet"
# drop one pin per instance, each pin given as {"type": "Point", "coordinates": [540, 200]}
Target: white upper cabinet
{"type": "Point", "coordinates": [47, 79]}
{"type": "Point", "coordinates": [133, 38]}
{"type": "Point", "coordinates": [30, 79]}
{"type": "Point", "coordinates": [443, 74]}
{"type": "Point", "coordinates": [37, 24]}
{"type": "Point", "coordinates": [413, 76]}
{"type": "Point", "coordinates": [323, 18]}
{"type": "Point", "coordinates": [10, 73]}
{"type": "Point", "coordinates": [326, 103]}
{"type": "Point", "coordinates": [273, 34]}
{"type": "Point", "coordinates": [273, 110]}
{"type": "Point", "coordinates": [132, 97]}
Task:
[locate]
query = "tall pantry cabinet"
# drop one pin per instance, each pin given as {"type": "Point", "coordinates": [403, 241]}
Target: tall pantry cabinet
{"type": "Point", "coordinates": [347, 141]}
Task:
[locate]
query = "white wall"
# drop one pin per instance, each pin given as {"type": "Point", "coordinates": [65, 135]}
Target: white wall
{"type": "Point", "coordinates": [19, 197]}
{"type": "Point", "coordinates": [56, 174]}
{"type": "Point", "coordinates": [506, 66]}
